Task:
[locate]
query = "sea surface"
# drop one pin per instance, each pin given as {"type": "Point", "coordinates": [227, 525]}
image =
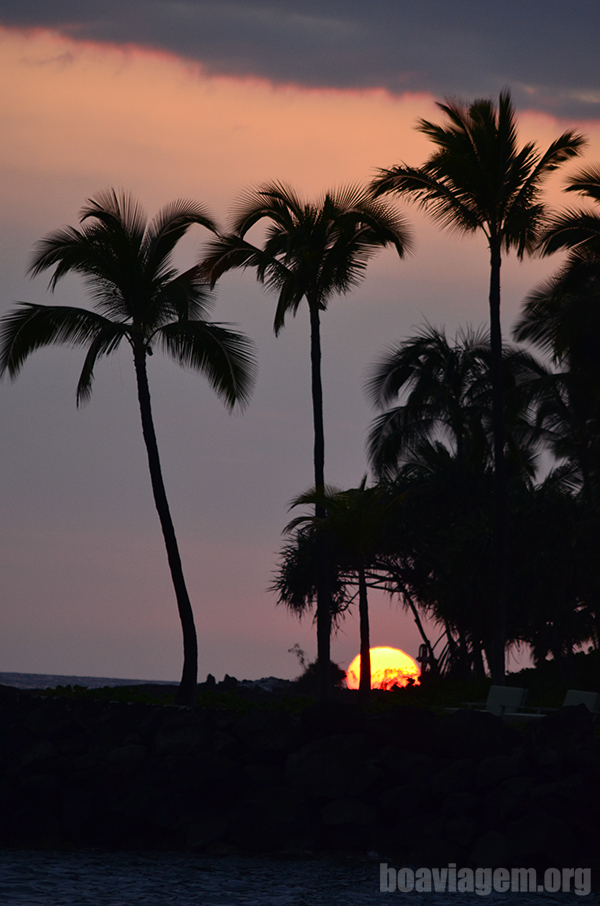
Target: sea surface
{"type": "Point", "coordinates": [98, 878]}
{"type": "Point", "coordinates": [51, 681]}
{"type": "Point", "coordinates": [93, 878]}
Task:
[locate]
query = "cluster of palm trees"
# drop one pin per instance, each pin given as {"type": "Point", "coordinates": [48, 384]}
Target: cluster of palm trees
{"type": "Point", "coordinates": [462, 441]}
{"type": "Point", "coordinates": [474, 542]}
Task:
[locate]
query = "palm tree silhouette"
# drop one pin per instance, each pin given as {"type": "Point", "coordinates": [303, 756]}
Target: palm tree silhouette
{"type": "Point", "coordinates": [447, 395]}
{"type": "Point", "coordinates": [577, 230]}
{"type": "Point", "coordinates": [138, 296]}
{"type": "Point", "coordinates": [355, 523]}
{"type": "Point", "coordinates": [562, 318]}
{"type": "Point", "coordinates": [439, 556]}
{"type": "Point", "coordinates": [312, 251]}
{"type": "Point", "coordinates": [479, 180]}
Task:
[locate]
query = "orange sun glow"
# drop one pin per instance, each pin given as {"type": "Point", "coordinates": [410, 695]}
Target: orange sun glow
{"type": "Point", "coordinates": [389, 667]}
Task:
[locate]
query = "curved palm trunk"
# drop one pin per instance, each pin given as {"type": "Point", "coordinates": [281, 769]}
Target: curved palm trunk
{"type": "Point", "coordinates": [187, 688]}
{"type": "Point", "coordinates": [500, 489]}
{"type": "Point", "coordinates": [408, 599]}
{"type": "Point", "coordinates": [323, 594]}
{"type": "Point", "coordinates": [364, 686]}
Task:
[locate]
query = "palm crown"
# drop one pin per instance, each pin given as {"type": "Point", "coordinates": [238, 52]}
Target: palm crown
{"type": "Point", "coordinates": [446, 393]}
{"type": "Point", "coordinates": [126, 264]}
{"type": "Point", "coordinates": [478, 178]}
{"type": "Point", "coordinates": [561, 315]}
{"type": "Point", "coordinates": [311, 250]}
{"type": "Point", "coordinates": [354, 523]}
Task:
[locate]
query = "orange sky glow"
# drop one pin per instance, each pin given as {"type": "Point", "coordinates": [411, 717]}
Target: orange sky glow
{"type": "Point", "coordinates": [155, 123]}
{"type": "Point", "coordinates": [149, 117]}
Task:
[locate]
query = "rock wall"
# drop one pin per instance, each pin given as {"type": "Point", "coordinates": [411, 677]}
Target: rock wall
{"type": "Point", "coordinates": [403, 784]}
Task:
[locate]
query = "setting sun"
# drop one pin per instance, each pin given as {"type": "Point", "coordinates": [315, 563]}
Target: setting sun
{"type": "Point", "coordinates": [389, 667]}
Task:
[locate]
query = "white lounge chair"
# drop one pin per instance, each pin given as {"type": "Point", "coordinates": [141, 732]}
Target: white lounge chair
{"type": "Point", "coordinates": [573, 697]}
{"type": "Point", "coordinates": [504, 699]}
{"type": "Point", "coordinates": [500, 701]}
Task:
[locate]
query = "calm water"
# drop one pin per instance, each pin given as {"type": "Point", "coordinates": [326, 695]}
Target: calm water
{"type": "Point", "coordinates": [120, 879]}
{"type": "Point", "coordinates": [50, 680]}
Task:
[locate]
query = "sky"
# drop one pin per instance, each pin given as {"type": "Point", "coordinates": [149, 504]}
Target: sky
{"type": "Point", "coordinates": [202, 100]}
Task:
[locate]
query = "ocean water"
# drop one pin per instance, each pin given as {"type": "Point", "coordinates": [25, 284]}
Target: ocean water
{"type": "Point", "coordinates": [50, 680]}
{"type": "Point", "coordinates": [32, 878]}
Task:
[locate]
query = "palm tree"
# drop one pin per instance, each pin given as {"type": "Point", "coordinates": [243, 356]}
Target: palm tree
{"type": "Point", "coordinates": [312, 251]}
{"type": "Point", "coordinates": [138, 296]}
{"type": "Point", "coordinates": [568, 417]}
{"type": "Point", "coordinates": [447, 395]}
{"type": "Point", "coordinates": [354, 525]}
{"type": "Point", "coordinates": [555, 611]}
{"type": "Point", "coordinates": [577, 231]}
{"type": "Point", "coordinates": [562, 318]}
{"type": "Point", "coordinates": [440, 554]}
{"type": "Point", "coordinates": [479, 180]}
{"type": "Point", "coordinates": [296, 578]}
{"type": "Point", "coordinates": [448, 388]}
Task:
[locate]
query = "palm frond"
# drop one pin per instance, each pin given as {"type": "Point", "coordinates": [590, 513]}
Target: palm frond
{"type": "Point", "coordinates": [29, 327]}
{"type": "Point", "coordinates": [274, 201]}
{"type": "Point", "coordinates": [226, 358]}
{"type": "Point", "coordinates": [168, 227]}
{"type": "Point", "coordinates": [230, 252]}
{"type": "Point", "coordinates": [67, 248]}
{"type": "Point", "coordinates": [105, 254]}
{"type": "Point", "coordinates": [117, 210]}
{"type": "Point", "coordinates": [452, 209]}
{"type": "Point", "coordinates": [586, 182]}
{"type": "Point", "coordinates": [105, 342]}
{"type": "Point", "coordinates": [571, 229]}
{"type": "Point", "coordinates": [186, 297]}
{"type": "Point", "coordinates": [394, 435]}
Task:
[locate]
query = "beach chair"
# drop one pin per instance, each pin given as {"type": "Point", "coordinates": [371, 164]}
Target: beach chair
{"type": "Point", "coordinates": [503, 700]}
{"type": "Point", "coordinates": [590, 699]}
{"type": "Point", "coordinates": [573, 697]}
{"type": "Point", "coordinates": [500, 701]}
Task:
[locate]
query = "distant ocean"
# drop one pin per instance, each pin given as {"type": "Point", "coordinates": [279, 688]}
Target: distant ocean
{"type": "Point", "coordinates": [51, 680]}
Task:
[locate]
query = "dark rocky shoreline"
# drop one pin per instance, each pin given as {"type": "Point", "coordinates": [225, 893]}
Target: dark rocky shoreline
{"type": "Point", "coordinates": [401, 784]}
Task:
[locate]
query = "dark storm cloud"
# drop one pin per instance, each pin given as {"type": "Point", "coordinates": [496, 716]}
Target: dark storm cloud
{"type": "Point", "coordinates": [545, 50]}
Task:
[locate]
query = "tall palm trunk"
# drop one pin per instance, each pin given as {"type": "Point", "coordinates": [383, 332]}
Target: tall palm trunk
{"type": "Point", "coordinates": [187, 688]}
{"type": "Point", "coordinates": [364, 686]}
{"type": "Point", "coordinates": [500, 488]}
{"type": "Point", "coordinates": [323, 592]}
